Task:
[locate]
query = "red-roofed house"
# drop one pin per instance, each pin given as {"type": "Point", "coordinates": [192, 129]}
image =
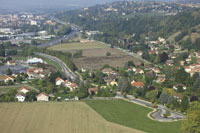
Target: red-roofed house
{"type": "Point", "coordinates": [59, 81]}
{"type": "Point", "coordinates": [42, 97]}
{"type": "Point", "coordinates": [93, 91]}
{"type": "Point", "coordinates": [137, 84]}
{"type": "Point", "coordinates": [24, 89]}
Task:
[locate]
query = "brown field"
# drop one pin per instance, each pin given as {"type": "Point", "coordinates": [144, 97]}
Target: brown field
{"type": "Point", "coordinates": [94, 55]}
{"type": "Point", "coordinates": [54, 117]}
{"type": "Point", "coordinates": [96, 58]}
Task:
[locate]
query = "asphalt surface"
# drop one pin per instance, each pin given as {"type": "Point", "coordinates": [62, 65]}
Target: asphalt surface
{"type": "Point", "coordinates": [68, 73]}
{"type": "Point", "coordinates": [158, 115]}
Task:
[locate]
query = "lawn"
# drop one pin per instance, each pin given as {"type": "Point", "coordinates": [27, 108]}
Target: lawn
{"type": "Point", "coordinates": [131, 115]}
{"type": "Point", "coordinates": [77, 46]}
{"type": "Point", "coordinates": [55, 117]}
{"type": "Point", "coordinates": [50, 62]}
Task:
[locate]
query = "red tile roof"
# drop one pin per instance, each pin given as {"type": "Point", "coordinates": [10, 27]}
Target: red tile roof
{"type": "Point", "coordinates": [137, 84]}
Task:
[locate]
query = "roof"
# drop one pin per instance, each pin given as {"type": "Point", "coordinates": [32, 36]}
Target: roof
{"type": "Point", "coordinates": [177, 85]}
{"type": "Point", "coordinates": [93, 89]}
{"type": "Point", "coordinates": [73, 85]}
{"type": "Point", "coordinates": [2, 77]}
{"type": "Point", "coordinates": [11, 61]}
{"type": "Point", "coordinates": [21, 94]}
{"type": "Point", "coordinates": [135, 84]}
{"type": "Point", "coordinates": [58, 78]}
{"type": "Point", "coordinates": [24, 87]}
{"type": "Point", "coordinates": [42, 93]}
{"type": "Point", "coordinates": [179, 96]}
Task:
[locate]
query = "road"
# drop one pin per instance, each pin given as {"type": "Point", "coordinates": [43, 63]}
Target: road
{"type": "Point", "coordinates": [68, 73]}
{"type": "Point", "coordinates": [158, 115]}
{"type": "Point", "coordinates": [75, 31]}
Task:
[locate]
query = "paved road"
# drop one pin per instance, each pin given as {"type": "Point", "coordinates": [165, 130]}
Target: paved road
{"type": "Point", "coordinates": [68, 73]}
{"type": "Point", "coordinates": [156, 115]}
{"type": "Point", "coordinates": [75, 31]}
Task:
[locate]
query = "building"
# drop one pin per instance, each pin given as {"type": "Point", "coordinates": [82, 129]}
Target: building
{"type": "Point", "coordinates": [11, 63]}
{"type": "Point", "coordinates": [24, 89]}
{"type": "Point", "coordinates": [35, 61]}
{"type": "Point", "coordinates": [93, 91]}
{"type": "Point", "coordinates": [109, 71]}
{"type": "Point", "coordinates": [42, 97]}
{"type": "Point", "coordinates": [59, 81]}
{"type": "Point", "coordinates": [170, 62]}
{"type": "Point", "coordinates": [21, 96]}
{"type": "Point", "coordinates": [177, 86]}
{"type": "Point", "coordinates": [6, 79]}
{"type": "Point", "coordinates": [137, 84]}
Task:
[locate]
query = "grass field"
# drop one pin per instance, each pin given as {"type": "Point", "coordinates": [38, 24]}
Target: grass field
{"type": "Point", "coordinates": [55, 117]}
{"type": "Point", "coordinates": [5, 89]}
{"type": "Point", "coordinates": [77, 46]}
{"type": "Point", "coordinates": [50, 62]}
{"type": "Point", "coordinates": [131, 115]}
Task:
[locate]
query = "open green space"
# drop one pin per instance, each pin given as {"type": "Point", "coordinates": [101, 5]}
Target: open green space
{"type": "Point", "coordinates": [53, 63]}
{"type": "Point", "coordinates": [131, 115]}
{"type": "Point", "coordinates": [78, 46]}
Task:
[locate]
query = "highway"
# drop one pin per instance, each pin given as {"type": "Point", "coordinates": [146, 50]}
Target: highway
{"type": "Point", "coordinates": [158, 115]}
{"type": "Point", "coordinates": [68, 73]}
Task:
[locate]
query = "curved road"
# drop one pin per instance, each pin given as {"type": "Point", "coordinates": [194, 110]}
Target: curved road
{"type": "Point", "coordinates": [68, 73]}
{"type": "Point", "coordinates": [158, 115]}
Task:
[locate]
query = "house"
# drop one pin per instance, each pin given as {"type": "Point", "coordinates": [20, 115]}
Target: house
{"type": "Point", "coordinates": [137, 84]}
{"type": "Point", "coordinates": [178, 97]}
{"type": "Point", "coordinates": [93, 91]}
{"type": "Point", "coordinates": [139, 71]}
{"type": "Point", "coordinates": [140, 53]}
{"type": "Point", "coordinates": [176, 87]}
{"type": "Point", "coordinates": [59, 81]}
{"type": "Point", "coordinates": [73, 86]}
{"type": "Point", "coordinates": [131, 68]}
{"type": "Point", "coordinates": [112, 83]}
{"type": "Point", "coordinates": [109, 71]}
{"type": "Point", "coordinates": [156, 70]}
{"type": "Point", "coordinates": [182, 63]}
{"type": "Point", "coordinates": [170, 62]}
{"type": "Point", "coordinates": [7, 79]}
{"type": "Point", "coordinates": [187, 69]}
{"type": "Point", "coordinates": [34, 73]}
{"type": "Point", "coordinates": [20, 96]}
{"type": "Point", "coordinates": [67, 83]}
{"type": "Point", "coordinates": [173, 56]}
{"type": "Point", "coordinates": [35, 61]}
{"type": "Point", "coordinates": [42, 97]}
{"type": "Point", "coordinates": [160, 79]}
{"type": "Point", "coordinates": [24, 89]}
{"type": "Point", "coordinates": [11, 63]}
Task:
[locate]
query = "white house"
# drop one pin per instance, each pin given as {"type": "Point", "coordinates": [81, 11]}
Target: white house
{"type": "Point", "coordinates": [24, 89]}
{"type": "Point", "coordinates": [35, 61]}
{"type": "Point", "coordinates": [20, 96]}
{"type": "Point", "coordinates": [42, 97]}
{"type": "Point", "coordinates": [59, 81]}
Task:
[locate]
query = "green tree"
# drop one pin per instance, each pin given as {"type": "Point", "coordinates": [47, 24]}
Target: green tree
{"type": "Point", "coordinates": [152, 95]}
{"type": "Point", "coordinates": [163, 98]}
{"type": "Point", "coordinates": [8, 71]}
{"type": "Point", "coordinates": [184, 103]}
{"type": "Point", "coordinates": [192, 122]}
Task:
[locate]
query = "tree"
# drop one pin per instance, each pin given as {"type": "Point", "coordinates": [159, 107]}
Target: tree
{"type": "Point", "coordinates": [152, 95]}
{"type": "Point", "coordinates": [33, 42]}
{"type": "Point", "coordinates": [2, 50]}
{"type": "Point", "coordinates": [196, 84]}
{"type": "Point", "coordinates": [108, 54]}
{"type": "Point", "coordinates": [163, 98]}
{"type": "Point", "coordinates": [184, 103]}
{"type": "Point", "coordinates": [163, 57]}
{"type": "Point", "coordinates": [8, 71]}
{"type": "Point", "coordinates": [192, 122]}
